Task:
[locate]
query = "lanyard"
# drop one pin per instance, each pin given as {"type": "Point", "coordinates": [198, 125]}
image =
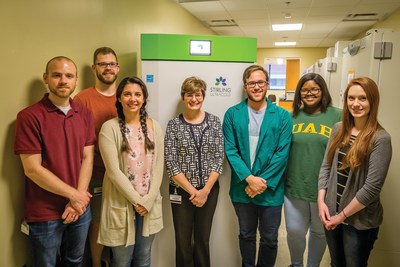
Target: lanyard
{"type": "Point", "coordinates": [198, 145]}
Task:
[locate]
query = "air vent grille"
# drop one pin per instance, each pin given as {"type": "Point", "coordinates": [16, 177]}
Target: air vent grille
{"type": "Point", "coordinates": [221, 23]}
{"type": "Point", "coordinates": [363, 17]}
{"type": "Point", "coordinates": [191, 1]}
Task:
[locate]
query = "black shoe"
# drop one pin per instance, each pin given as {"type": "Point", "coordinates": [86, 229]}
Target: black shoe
{"type": "Point", "coordinates": [104, 263]}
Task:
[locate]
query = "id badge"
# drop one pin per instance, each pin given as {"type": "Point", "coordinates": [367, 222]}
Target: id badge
{"type": "Point", "coordinates": [25, 227]}
{"type": "Point", "coordinates": [175, 198]}
{"type": "Point", "coordinates": [97, 191]}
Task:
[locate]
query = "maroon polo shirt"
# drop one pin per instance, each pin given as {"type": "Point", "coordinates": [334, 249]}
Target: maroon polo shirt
{"type": "Point", "coordinates": [44, 129]}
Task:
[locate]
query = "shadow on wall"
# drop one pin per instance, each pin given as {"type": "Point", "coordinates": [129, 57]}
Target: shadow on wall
{"type": "Point", "coordinates": [13, 174]}
{"type": "Point", "coordinates": [15, 181]}
{"type": "Point", "coordinates": [127, 66]}
{"type": "Point", "coordinates": [36, 91]}
{"type": "Point", "coordinates": [87, 79]}
{"type": "Point", "coordinates": [180, 107]}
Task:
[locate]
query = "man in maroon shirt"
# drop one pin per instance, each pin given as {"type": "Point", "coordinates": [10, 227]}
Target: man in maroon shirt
{"type": "Point", "coordinates": [55, 140]}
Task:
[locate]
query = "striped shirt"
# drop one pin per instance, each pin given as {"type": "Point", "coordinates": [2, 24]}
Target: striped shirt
{"type": "Point", "coordinates": [342, 174]}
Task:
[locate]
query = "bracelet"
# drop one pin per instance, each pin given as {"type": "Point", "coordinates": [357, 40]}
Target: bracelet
{"type": "Point", "coordinates": [344, 214]}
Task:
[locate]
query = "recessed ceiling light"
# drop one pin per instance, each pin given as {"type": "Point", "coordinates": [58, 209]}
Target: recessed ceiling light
{"type": "Point", "coordinates": [287, 27]}
{"type": "Point", "coordinates": [285, 43]}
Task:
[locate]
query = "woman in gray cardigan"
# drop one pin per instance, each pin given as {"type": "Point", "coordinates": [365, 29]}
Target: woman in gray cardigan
{"type": "Point", "coordinates": [132, 147]}
{"type": "Point", "coordinates": [352, 175]}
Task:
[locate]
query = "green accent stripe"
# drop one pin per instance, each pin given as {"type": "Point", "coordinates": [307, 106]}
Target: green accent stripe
{"type": "Point", "coordinates": [175, 47]}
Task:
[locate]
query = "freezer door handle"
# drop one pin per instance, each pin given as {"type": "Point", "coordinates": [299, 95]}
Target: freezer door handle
{"type": "Point", "coordinates": [383, 50]}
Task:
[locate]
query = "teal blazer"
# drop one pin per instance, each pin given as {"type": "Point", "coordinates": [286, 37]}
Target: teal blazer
{"type": "Point", "coordinates": [271, 154]}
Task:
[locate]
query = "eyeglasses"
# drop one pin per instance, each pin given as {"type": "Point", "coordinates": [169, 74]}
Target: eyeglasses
{"type": "Point", "coordinates": [259, 83]}
{"type": "Point", "coordinates": [313, 91]}
{"type": "Point", "coordinates": [106, 64]}
{"type": "Point", "coordinates": [191, 95]}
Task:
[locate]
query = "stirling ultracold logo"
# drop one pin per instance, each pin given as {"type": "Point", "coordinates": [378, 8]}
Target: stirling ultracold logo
{"type": "Point", "coordinates": [220, 88]}
{"type": "Point", "coordinates": [220, 80]}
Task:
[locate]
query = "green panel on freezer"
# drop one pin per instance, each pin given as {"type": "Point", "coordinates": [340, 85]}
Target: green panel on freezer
{"type": "Point", "coordinates": [181, 47]}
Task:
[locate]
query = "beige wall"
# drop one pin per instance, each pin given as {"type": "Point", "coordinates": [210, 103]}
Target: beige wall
{"type": "Point", "coordinates": [392, 22]}
{"type": "Point", "coordinates": [35, 31]}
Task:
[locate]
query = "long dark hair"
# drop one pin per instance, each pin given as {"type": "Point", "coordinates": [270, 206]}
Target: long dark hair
{"type": "Point", "coordinates": [326, 98]}
{"type": "Point", "coordinates": [148, 145]}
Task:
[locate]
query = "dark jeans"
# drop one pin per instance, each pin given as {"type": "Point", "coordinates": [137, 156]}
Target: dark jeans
{"type": "Point", "coordinates": [267, 220]}
{"type": "Point", "coordinates": [192, 229]}
{"type": "Point", "coordinates": [350, 247]}
{"type": "Point", "coordinates": [47, 239]}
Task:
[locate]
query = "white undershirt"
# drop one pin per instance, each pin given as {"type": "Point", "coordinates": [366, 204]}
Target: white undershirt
{"type": "Point", "coordinates": [65, 109]}
{"type": "Point", "coordinates": [255, 120]}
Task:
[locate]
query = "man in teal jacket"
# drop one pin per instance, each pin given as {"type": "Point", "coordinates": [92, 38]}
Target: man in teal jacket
{"type": "Point", "coordinates": [257, 141]}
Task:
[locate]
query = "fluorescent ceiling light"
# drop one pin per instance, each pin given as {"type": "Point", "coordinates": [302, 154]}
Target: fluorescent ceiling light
{"type": "Point", "coordinates": [285, 43]}
{"type": "Point", "coordinates": [287, 27]}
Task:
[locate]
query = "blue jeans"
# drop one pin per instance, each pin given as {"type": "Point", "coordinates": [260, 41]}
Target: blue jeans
{"type": "Point", "coordinates": [302, 216]}
{"type": "Point", "coordinates": [140, 251]}
{"type": "Point", "coordinates": [350, 247]}
{"type": "Point", "coordinates": [48, 239]}
{"type": "Point", "coordinates": [267, 220]}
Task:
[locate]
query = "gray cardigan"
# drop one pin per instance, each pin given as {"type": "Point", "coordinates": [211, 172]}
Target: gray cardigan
{"type": "Point", "coordinates": [365, 183]}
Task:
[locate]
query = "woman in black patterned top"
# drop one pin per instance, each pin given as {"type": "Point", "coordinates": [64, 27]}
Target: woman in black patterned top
{"type": "Point", "coordinates": [194, 154]}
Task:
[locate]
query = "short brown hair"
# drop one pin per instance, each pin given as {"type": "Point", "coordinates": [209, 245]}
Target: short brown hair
{"type": "Point", "coordinates": [249, 70]}
{"type": "Point", "coordinates": [104, 51]}
{"type": "Point", "coordinates": [193, 84]}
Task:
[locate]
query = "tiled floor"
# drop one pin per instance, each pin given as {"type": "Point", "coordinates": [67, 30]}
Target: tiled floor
{"type": "Point", "coordinates": [283, 259]}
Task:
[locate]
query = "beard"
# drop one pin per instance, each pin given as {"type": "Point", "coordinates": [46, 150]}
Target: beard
{"type": "Point", "coordinates": [62, 93]}
{"type": "Point", "coordinates": [262, 98]}
{"type": "Point", "coordinates": [105, 80]}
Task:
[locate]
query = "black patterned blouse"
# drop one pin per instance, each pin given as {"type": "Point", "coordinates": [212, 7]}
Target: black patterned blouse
{"type": "Point", "coordinates": [194, 149]}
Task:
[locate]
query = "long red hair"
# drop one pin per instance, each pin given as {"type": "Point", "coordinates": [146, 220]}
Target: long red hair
{"type": "Point", "coordinates": [362, 146]}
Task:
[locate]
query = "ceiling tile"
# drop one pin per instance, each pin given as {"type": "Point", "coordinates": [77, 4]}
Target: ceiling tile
{"type": "Point", "coordinates": [323, 20]}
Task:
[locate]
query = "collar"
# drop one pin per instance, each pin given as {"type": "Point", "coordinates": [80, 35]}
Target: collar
{"type": "Point", "coordinates": [50, 107]}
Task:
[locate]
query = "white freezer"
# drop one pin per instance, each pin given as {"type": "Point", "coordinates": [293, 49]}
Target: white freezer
{"type": "Point", "coordinates": [164, 80]}
{"type": "Point", "coordinates": [330, 68]}
{"type": "Point", "coordinates": [384, 72]}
